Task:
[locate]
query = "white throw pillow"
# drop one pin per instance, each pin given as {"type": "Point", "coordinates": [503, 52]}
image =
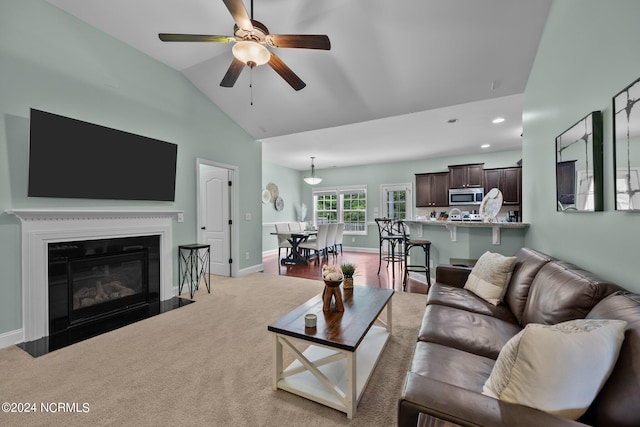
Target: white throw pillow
{"type": "Point", "coordinates": [490, 276]}
{"type": "Point", "coordinates": [557, 368]}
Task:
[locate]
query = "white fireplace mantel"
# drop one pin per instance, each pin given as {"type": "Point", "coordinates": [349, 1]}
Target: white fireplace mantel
{"type": "Point", "coordinates": [43, 226]}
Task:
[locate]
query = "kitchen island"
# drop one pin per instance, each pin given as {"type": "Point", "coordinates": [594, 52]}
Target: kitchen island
{"type": "Point", "coordinates": [452, 241]}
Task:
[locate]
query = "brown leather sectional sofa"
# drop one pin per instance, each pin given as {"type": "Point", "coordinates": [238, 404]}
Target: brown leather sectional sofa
{"type": "Point", "coordinates": [461, 336]}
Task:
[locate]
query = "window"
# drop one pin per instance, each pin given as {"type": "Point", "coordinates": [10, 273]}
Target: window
{"type": "Point", "coordinates": [344, 204]}
{"type": "Point", "coordinates": [396, 201]}
{"type": "Point", "coordinates": [326, 208]}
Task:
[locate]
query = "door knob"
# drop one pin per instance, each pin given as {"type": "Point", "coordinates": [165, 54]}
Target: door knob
{"type": "Point", "coordinates": [203, 228]}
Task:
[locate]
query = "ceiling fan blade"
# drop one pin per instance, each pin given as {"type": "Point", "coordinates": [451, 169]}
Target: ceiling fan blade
{"type": "Point", "coordinates": [167, 37]}
{"type": "Point", "coordinates": [285, 72]}
{"type": "Point", "coordinates": [233, 73]}
{"type": "Point", "coordinates": [304, 41]}
{"type": "Point", "coordinates": [239, 13]}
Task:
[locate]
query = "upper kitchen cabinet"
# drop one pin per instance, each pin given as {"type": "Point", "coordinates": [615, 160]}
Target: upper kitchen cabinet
{"type": "Point", "coordinates": [466, 176]}
{"type": "Point", "coordinates": [507, 180]}
{"type": "Point", "coordinates": [432, 189]}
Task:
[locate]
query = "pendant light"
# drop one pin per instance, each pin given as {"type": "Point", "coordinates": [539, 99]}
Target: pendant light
{"type": "Point", "coordinates": [313, 179]}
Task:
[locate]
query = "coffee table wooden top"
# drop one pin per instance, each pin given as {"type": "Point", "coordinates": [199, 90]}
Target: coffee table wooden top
{"type": "Point", "coordinates": [344, 330]}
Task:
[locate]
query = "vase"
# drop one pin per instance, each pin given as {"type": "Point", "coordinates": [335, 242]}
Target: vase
{"type": "Point", "coordinates": [332, 290]}
{"type": "Point", "coordinates": [348, 283]}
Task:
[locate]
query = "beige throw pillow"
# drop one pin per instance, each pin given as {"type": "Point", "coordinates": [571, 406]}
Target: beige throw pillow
{"type": "Point", "coordinates": [490, 276]}
{"type": "Point", "coordinates": [557, 368]}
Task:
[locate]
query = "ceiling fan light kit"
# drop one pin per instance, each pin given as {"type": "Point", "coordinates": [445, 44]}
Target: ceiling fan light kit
{"type": "Point", "coordinates": [313, 179]}
{"type": "Point", "coordinates": [251, 53]}
{"type": "Point", "coordinates": [251, 40]}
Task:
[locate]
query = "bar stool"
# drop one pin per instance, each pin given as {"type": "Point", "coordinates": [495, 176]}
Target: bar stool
{"type": "Point", "coordinates": [410, 243]}
{"type": "Point", "coordinates": [388, 232]}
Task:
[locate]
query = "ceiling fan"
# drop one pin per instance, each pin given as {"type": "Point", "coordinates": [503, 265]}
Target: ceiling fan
{"type": "Point", "coordinates": [251, 38]}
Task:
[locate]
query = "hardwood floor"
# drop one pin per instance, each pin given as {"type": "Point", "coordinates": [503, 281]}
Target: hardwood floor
{"type": "Point", "coordinates": [366, 270]}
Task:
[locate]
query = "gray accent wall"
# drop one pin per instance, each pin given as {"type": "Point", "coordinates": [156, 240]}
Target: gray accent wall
{"type": "Point", "coordinates": [52, 61]}
{"type": "Point", "coordinates": [588, 53]}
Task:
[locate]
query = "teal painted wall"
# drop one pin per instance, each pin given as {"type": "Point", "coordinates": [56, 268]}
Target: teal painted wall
{"type": "Point", "coordinates": [588, 53]}
{"type": "Point", "coordinates": [289, 187]}
{"type": "Point", "coordinates": [52, 61]}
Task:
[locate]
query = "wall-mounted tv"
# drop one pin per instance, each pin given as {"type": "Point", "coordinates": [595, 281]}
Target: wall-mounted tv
{"type": "Point", "coordinates": [75, 159]}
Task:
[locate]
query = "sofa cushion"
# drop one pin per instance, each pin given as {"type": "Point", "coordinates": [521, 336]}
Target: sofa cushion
{"type": "Point", "coordinates": [451, 366]}
{"type": "Point", "coordinates": [528, 263]}
{"type": "Point", "coordinates": [471, 332]}
{"type": "Point", "coordinates": [557, 368]}
{"type": "Point", "coordinates": [490, 276]}
{"type": "Point", "coordinates": [453, 296]}
{"type": "Point", "coordinates": [618, 402]}
{"type": "Point", "coordinates": [561, 291]}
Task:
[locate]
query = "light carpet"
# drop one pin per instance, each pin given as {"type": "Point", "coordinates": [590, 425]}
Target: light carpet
{"type": "Point", "coordinates": [206, 364]}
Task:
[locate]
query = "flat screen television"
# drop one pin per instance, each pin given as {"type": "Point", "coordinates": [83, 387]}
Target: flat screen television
{"type": "Point", "coordinates": [75, 159]}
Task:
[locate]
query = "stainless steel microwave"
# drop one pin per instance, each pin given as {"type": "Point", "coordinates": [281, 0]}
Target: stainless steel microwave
{"type": "Point", "coordinates": [465, 196]}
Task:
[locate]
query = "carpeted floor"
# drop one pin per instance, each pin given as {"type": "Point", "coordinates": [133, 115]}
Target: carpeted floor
{"type": "Point", "coordinates": [206, 364]}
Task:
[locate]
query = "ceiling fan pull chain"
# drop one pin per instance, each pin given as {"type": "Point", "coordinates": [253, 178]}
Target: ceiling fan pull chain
{"type": "Point", "coordinates": [251, 81]}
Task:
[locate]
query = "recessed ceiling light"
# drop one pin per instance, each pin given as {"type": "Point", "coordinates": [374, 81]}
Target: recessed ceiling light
{"type": "Point", "coordinates": [498, 120]}
{"type": "Point", "coordinates": [485, 146]}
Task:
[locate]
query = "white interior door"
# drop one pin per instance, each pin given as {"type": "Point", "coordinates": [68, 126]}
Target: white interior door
{"type": "Point", "coordinates": [215, 227]}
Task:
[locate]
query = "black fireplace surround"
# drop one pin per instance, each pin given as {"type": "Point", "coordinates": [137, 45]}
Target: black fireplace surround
{"type": "Point", "coordinates": [100, 285]}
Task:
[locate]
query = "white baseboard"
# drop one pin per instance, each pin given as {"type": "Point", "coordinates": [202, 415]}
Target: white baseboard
{"type": "Point", "coordinates": [11, 338]}
{"type": "Point", "coordinates": [250, 270]}
{"type": "Point", "coordinates": [357, 249]}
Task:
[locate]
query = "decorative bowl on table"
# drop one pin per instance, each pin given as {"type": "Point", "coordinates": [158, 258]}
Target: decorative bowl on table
{"type": "Point", "coordinates": [332, 283]}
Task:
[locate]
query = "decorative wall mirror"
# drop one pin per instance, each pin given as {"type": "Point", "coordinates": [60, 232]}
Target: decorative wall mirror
{"type": "Point", "coordinates": [626, 147]}
{"type": "Point", "coordinates": [579, 166]}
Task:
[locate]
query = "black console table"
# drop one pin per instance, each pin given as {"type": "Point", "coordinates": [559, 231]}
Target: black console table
{"type": "Point", "coordinates": [193, 264]}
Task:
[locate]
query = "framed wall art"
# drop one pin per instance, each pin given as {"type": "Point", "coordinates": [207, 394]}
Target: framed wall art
{"type": "Point", "coordinates": [579, 166]}
{"type": "Point", "coordinates": [626, 147]}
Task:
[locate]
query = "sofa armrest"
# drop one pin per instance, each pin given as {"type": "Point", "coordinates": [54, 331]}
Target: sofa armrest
{"type": "Point", "coordinates": [452, 275]}
{"type": "Point", "coordinates": [466, 408]}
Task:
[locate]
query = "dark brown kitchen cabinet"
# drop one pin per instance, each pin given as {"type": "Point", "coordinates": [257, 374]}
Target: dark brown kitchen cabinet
{"type": "Point", "coordinates": [507, 180]}
{"type": "Point", "coordinates": [432, 189]}
{"type": "Point", "coordinates": [466, 176]}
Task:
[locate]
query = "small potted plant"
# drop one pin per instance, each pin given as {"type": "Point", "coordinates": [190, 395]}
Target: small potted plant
{"type": "Point", "coordinates": [348, 271]}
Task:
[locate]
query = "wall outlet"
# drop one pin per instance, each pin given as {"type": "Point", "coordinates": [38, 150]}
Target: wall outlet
{"type": "Point", "coordinates": [353, 240]}
{"type": "Point", "coordinates": [180, 217]}
{"type": "Point", "coordinates": [246, 255]}
{"type": "Point", "coordinates": [247, 216]}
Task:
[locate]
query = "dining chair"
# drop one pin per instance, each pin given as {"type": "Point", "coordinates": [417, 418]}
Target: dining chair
{"type": "Point", "coordinates": [294, 226]}
{"type": "Point", "coordinates": [331, 237]}
{"type": "Point", "coordinates": [283, 243]}
{"type": "Point", "coordinates": [319, 244]}
{"type": "Point", "coordinates": [339, 236]}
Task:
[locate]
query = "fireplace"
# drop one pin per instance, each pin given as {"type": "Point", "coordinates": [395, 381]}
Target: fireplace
{"type": "Point", "coordinates": [93, 281]}
{"type": "Point", "coordinates": [78, 230]}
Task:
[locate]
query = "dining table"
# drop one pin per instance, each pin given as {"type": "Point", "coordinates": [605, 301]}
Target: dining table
{"type": "Point", "coordinates": [296, 256]}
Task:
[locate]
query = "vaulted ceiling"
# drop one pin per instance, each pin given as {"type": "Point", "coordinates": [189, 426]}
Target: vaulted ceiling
{"type": "Point", "coordinates": [397, 72]}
